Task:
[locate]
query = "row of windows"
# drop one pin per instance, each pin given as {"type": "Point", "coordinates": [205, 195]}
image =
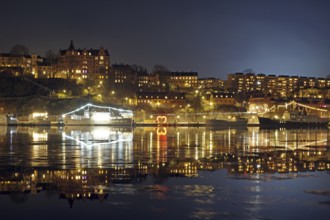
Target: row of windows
{"type": "Point", "coordinates": [96, 58]}
{"type": "Point", "coordinates": [286, 81]}
{"type": "Point", "coordinates": [157, 97]}
{"type": "Point", "coordinates": [284, 85]}
{"type": "Point", "coordinates": [76, 71]}
{"type": "Point", "coordinates": [223, 96]}
{"type": "Point", "coordinates": [78, 53]}
{"type": "Point", "coordinates": [183, 77]}
{"type": "Point", "coordinates": [224, 101]}
{"type": "Point", "coordinates": [119, 81]}
{"type": "Point", "coordinates": [14, 59]}
{"type": "Point", "coordinates": [210, 82]}
{"type": "Point", "coordinates": [120, 77]}
{"type": "Point", "coordinates": [150, 101]}
{"type": "Point", "coordinates": [184, 81]}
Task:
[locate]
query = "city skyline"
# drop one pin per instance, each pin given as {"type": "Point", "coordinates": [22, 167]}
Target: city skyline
{"type": "Point", "coordinates": [214, 38]}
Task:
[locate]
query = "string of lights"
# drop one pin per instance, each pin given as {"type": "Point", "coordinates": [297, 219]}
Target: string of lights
{"type": "Point", "coordinates": [98, 106]}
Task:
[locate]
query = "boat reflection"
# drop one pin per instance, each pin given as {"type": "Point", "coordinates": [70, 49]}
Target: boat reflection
{"type": "Point", "coordinates": [86, 162]}
{"type": "Point", "coordinates": [97, 135]}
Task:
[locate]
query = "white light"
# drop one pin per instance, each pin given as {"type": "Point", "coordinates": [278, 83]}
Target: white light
{"type": "Point", "coordinates": [128, 112]}
{"type": "Point", "coordinates": [100, 116]}
{"type": "Point", "coordinates": [38, 114]}
{"type": "Point", "coordinates": [101, 133]}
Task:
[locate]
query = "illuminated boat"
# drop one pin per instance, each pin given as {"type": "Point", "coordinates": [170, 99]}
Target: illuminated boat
{"type": "Point", "coordinates": [294, 120]}
{"type": "Point", "coordinates": [235, 122]}
{"type": "Point", "coordinates": [8, 119]}
{"type": "Point", "coordinates": [98, 115]}
{"type": "Point", "coordinates": [34, 119]}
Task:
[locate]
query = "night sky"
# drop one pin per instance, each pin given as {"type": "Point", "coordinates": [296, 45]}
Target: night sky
{"type": "Point", "coordinates": [212, 37]}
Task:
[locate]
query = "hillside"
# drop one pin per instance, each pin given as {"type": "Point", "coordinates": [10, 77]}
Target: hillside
{"type": "Point", "coordinates": [21, 96]}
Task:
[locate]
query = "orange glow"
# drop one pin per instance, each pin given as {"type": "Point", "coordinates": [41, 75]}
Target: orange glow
{"type": "Point", "coordinates": [161, 119]}
{"type": "Point", "coordinates": [161, 131]}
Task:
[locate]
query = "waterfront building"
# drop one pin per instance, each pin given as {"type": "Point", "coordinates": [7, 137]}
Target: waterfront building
{"type": "Point", "coordinates": [322, 83]}
{"type": "Point", "coordinates": [45, 70]}
{"type": "Point", "coordinates": [123, 74]}
{"type": "Point", "coordinates": [208, 83]}
{"type": "Point", "coordinates": [312, 93]}
{"type": "Point", "coordinates": [182, 81]}
{"type": "Point", "coordinates": [20, 64]}
{"type": "Point", "coordinates": [307, 82]}
{"type": "Point", "coordinates": [222, 98]}
{"type": "Point", "coordinates": [132, 75]}
{"type": "Point", "coordinates": [282, 86]}
{"type": "Point", "coordinates": [259, 104]}
{"type": "Point", "coordinates": [246, 82]}
{"type": "Point", "coordinates": [213, 99]}
{"type": "Point", "coordinates": [83, 64]}
{"type": "Point", "coordinates": [143, 80]}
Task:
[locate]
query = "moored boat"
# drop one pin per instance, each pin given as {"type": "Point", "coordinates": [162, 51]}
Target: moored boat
{"type": "Point", "coordinates": [34, 119]}
{"type": "Point", "coordinates": [98, 115]}
{"type": "Point", "coordinates": [89, 120]}
{"type": "Point", "coordinates": [8, 119]}
{"type": "Point", "coordinates": [294, 120]}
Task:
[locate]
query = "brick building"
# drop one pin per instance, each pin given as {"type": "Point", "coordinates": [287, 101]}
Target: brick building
{"type": "Point", "coordinates": [84, 64]}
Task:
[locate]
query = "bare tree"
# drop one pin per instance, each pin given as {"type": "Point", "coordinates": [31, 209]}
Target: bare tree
{"type": "Point", "coordinates": [19, 50]}
{"type": "Point", "coordinates": [138, 68]}
{"type": "Point", "coordinates": [51, 57]}
{"type": "Point", "coordinates": [248, 70]}
{"type": "Point", "coordinates": [162, 73]}
{"type": "Point", "coordinates": [159, 69]}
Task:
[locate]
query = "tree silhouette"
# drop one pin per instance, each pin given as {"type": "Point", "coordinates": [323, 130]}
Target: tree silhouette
{"type": "Point", "coordinates": [161, 72]}
{"type": "Point", "coordinates": [19, 50]}
{"type": "Point", "coordinates": [51, 57]}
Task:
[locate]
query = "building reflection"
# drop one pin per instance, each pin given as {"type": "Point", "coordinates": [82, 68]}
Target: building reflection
{"type": "Point", "coordinates": [84, 163]}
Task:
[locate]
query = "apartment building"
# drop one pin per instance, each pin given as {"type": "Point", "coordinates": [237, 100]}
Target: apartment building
{"type": "Point", "coordinates": [83, 64]}
{"type": "Point", "coordinates": [282, 86]}
{"type": "Point", "coordinates": [20, 64]}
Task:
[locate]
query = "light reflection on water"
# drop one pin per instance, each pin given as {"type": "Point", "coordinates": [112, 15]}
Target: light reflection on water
{"type": "Point", "coordinates": [206, 174]}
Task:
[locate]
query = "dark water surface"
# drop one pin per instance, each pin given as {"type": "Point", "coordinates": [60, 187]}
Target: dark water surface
{"type": "Point", "coordinates": [163, 173]}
